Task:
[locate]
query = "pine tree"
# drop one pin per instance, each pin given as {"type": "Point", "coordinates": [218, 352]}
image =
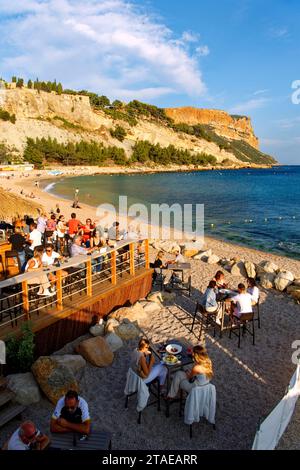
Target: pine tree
{"type": "Point", "coordinates": [29, 84]}
{"type": "Point", "coordinates": [59, 88]}
{"type": "Point", "coordinates": [20, 83]}
{"type": "Point", "coordinates": [14, 79]}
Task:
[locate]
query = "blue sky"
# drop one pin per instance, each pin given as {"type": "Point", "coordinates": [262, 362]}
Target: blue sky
{"type": "Point", "coordinates": [238, 55]}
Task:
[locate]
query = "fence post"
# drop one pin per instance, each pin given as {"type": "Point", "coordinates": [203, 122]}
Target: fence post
{"type": "Point", "coordinates": [89, 278]}
{"type": "Point", "coordinates": [25, 299]}
{"type": "Point", "coordinates": [114, 267]}
{"type": "Point", "coordinates": [59, 290]}
{"type": "Point", "coordinates": [131, 257]}
{"type": "Point", "coordinates": [147, 259]}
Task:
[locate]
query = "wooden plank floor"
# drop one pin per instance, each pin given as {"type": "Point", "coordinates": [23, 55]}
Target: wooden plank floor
{"type": "Point", "coordinates": [101, 292]}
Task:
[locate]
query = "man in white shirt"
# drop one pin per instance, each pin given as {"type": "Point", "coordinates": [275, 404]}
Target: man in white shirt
{"type": "Point", "coordinates": [242, 301]}
{"type": "Point", "coordinates": [71, 415]}
{"type": "Point", "coordinates": [50, 256]}
{"type": "Point", "coordinates": [27, 437]}
{"type": "Point", "coordinates": [35, 237]}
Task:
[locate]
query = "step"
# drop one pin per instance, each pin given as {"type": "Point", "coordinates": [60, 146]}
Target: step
{"type": "Point", "coordinates": [10, 412]}
{"type": "Point", "coordinates": [5, 397]}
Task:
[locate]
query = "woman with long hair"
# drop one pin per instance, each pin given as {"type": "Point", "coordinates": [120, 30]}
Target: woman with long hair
{"type": "Point", "coordinates": [200, 374]}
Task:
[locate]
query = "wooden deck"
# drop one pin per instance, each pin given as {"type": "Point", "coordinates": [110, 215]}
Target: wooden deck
{"type": "Point", "coordinates": [54, 328]}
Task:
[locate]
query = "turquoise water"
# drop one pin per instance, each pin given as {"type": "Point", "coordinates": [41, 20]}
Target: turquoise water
{"type": "Point", "coordinates": [258, 208]}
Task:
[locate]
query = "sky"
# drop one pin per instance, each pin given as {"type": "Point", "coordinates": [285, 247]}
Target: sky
{"type": "Point", "coordinates": [241, 56]}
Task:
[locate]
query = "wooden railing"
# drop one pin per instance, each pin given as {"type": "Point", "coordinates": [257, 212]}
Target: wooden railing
{"type": "Point", "coordinates": [83, 274]}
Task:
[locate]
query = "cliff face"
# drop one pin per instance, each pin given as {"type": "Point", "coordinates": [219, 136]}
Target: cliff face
{"type": "Point", "coordinates": [70, 118]}
{"type": "Point", "coordinates": [239, 128]}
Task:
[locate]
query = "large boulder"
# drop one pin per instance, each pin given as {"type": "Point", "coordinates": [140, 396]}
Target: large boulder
{"type": "Point", "coordinates": [25, 388]}
{"type": "Point", "coordinates": [155, 297]}
{"type": "Point", "coordinates": [168, 246]}
{"type": "Point", "coordinates": [191, 249]}
{"type": "Point", "coordinates": [114, 342]}
{"type": "Point", "coordinates": [239, 270]}
{"type": "Point", "coordinates": [53, 378]}
{"type": "Point", "coordinates": [136, 313]}
{"type": "Point", "coordinates": [74, 361]}
{"type": "Point", "coordinates": [127, 330]}
{"type": "Point", "coordinates": [204, 255]}
{"type": "Point", "coordinates": [292, 288]}
{"type": "Point", "coordinates": [96, 351]}
{"type": "Point", "coordinates": [151, 308]}
{"type": "Point", "coordinates": [267, 280]}
{"type": "Point", "coordinates": [296, 295]}
{"type": "Point", "coordinates": [111, 324]}
{"type": "Point", "coordinates": [250, 269]}
{"type": "Point", "coordinates": [283, 280]}
{"type": "Point", "coordinates": [267, 267]}
{"type": "Point", "coordinates": [98, 329]}
{"type": "Point", "coordinates": [213, 259]}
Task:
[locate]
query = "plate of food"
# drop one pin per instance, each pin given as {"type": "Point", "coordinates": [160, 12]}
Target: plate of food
{"type": "Point", "coordinates": [174, 349]}
{"type": "Point", "coordinates": [170, 359]}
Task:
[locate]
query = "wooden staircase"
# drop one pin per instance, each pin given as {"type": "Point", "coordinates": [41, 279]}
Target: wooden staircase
{"type": "Point", "coordinates": [8, 408]}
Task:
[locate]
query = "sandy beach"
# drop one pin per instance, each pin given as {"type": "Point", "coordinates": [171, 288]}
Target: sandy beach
{"type": "Point", "coordinates": [250, 381]}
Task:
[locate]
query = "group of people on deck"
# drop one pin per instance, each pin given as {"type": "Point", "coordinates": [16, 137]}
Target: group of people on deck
{"type": "Point", "coordinates": [237, 303]}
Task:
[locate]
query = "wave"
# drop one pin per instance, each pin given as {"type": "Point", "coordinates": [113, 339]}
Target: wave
{"type": "Point", "coordinates": [49, 187]}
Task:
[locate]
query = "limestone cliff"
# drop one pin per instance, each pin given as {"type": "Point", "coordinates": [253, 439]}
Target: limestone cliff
{"type": "Point", "coordinates": [70, 118]}
{"type": "Point", "coordinates": [232, 127]}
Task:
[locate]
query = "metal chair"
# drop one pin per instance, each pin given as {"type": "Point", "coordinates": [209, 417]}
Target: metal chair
{"type": "Point", "coordinates": [154, 390]}
{"type": "Point", "coordinates": [204, 318]}
{"type": "Point", "coordinates": [257, 311]}
{"type": "Point", "coordinates": [207, 405]}
{"type": "Point", "coordinates": [239, 326]}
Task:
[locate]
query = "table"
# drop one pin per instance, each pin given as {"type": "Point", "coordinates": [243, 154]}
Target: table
{"type": "Point", "coordinates": [186, 359]}
{"type": "Point", "coordinates": [179, 267]}
{"type": "Point", "coordinates": [97, 440]}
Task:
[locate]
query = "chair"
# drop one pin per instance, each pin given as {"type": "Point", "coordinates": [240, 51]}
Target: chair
{"type": "Point", "coordinates": [257, 309]}
{"type": "Point", "coordinates": [200, 402]}
{"type": "Point", "coordinates": [12, 255]}
{"type": "Point", "coordinates": [158, 278]}
{"type": "Point", "coordinates": [239, 326]}
{"type": "Point", "coordinates": [135, 385]}
{"type": "Point", "coordinates": [204, 318]}
{"type": "Point", "coordinates": [11, 303]}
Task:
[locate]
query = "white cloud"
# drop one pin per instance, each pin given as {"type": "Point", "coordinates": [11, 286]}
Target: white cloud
{"type": "Point", "coordinates": [189, 36]}
{"type": "Point", "coordinates": [288, 123]}
{"type": "Point", "coordinates": [279, 33]}
{"type": "Point", "coordinates": [249, 105]}
{"type": "Point", "coordinates": [203, 51]}
{"type": "Point", "coordinates": [109, 46]}
{"type": "Point", "coordinates": [260, 92]}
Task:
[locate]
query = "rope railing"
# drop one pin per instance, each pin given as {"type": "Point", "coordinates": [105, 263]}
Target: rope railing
{"type": "Point", "coordinates": [80, 274]}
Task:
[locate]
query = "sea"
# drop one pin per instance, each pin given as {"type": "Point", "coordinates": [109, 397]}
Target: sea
{"type": "Point", "coordinates": [257, 208]}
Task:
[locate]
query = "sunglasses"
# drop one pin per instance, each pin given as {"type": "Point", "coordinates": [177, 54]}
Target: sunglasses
{"type": "Point", "coordinates": [48, 251]}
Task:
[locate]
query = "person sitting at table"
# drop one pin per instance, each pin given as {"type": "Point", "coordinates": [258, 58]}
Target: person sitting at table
{"type": "Point", "coordinates": [220, 280]}
{"type": "Point", "coordinates": [210, 303]}
{"type": "Point", "coordinates": [200, 374]}
{"type": "Point", "coordinates": [242, 303]}
{"type": "Point", "coordinates": [27, 437]}
{"type": "Point", "coordinates": [253, 290]}
{"type": "Point", "coordinates": [143, 364]}
{"type": "Point", "coordinates": [71, 414]}
{"type": "Point", "coordinates": [50, 258]}
{"type": "Point", "coordinates": [87, 232]}
{"type": "Point", "coordinates": [179, 258]}
{"type": "Point", "coordinates": [114, 232]}
{"type": "Point", "coordinates": [41, 279]}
